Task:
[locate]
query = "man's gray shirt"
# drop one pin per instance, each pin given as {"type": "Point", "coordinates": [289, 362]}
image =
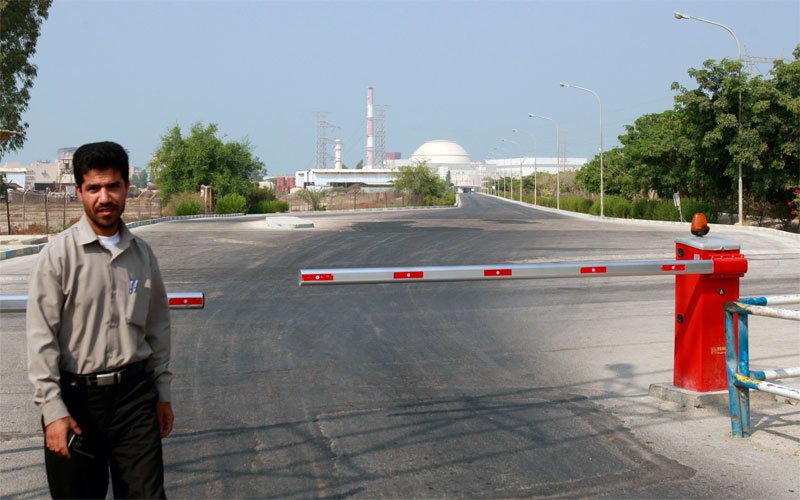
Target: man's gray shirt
{"type": "Point", "coordinates": [92, 310]}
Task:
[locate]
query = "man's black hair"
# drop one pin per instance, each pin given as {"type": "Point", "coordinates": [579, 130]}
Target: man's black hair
{"type": "Point", "coordinates": [99, 156]}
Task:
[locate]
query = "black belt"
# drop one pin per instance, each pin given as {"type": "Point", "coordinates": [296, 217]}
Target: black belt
{"type": "Point", "coordinates": [106, 378]}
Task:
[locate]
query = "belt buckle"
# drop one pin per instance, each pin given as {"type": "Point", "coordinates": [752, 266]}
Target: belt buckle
{"type": "Point", "coordinates": [105, 379]}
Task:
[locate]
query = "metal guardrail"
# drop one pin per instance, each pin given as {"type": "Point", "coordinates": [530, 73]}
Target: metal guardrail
{"type": "Point", "coordinates": [520, 271]}
{"type": "Point", "coordinates": [190, 300]}
{"type": "Point", "coordinates": [740, 378]}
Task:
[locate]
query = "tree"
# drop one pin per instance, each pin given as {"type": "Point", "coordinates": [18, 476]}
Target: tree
{"type": "Point", "coordinates": [139, 179]}
{"type": "Point", "coordinates": [3, 185]}
{"type": "Point", "coordinates": [313, 198]}
{"type": "Point", "coordinates": [654, 156]}
{"type": "Point", "coordinates": [201, 158]}
{"type": "Point", "coordinates": [360, 165]}
{"type": "Point", "coordinates": [766, 146]}
{"type": "Point", "coordinates": [20, 26]}
{"type": "Point", "coordinates": [697, 147]}
{"type": "Point", "coordinates": [420, 181]}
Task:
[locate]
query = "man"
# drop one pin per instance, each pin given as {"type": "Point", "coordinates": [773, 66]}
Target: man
{"type": "Point", "coordinates": [99, 343]}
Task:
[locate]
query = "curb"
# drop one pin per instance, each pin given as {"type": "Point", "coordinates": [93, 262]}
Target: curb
{"type": "Point", "coordinates": [767, 230]}
{"type": "Point", "coordinates": [711, 399]}
{"type": "Point", "coordinates": [31, 250]}
{"type": "Point", "coordinates": [289, 223]}
{"type": "Point", "coordinates": [364, 210]}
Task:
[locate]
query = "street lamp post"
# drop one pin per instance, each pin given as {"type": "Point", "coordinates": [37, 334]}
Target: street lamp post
{"type": "Point", "coordinates": [522, 159]}
{"type": "Point", "coordinates": [602, 190]}
{"type": "Point", "coordinates": [558, 165]}
{"type": "Point", "coordinates": [507, 153]}
{"type": "Point", "coordinates": [533, 138]}
{"type": "Point", "coordinates": [680, 15]}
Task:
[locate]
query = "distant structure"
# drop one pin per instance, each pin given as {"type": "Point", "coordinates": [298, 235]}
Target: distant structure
{"type": "Point", "coordinates": [322, 139]}
{"type": "Point", "coordinates": [753, 61]}
{"type": "Point", "coordinates": [442, 157]}
{"type": "Point", "coordinates": [284, 184]}
{"type": "Point", "coordinates": [380, 134]}
{"type": "Point", "coordinates": [370, 132]}
{"type": "Point", "coordinates": [337, 154]}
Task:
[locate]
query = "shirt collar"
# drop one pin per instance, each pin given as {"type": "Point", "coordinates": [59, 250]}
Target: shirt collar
{"type": "Point", "coordinates": [87, 235]}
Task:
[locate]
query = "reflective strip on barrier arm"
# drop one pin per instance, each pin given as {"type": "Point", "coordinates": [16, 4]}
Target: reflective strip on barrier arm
{"type": "Point", "coordinates": [191, 300]}
{"type": "Point", "coordinates": [503, 271]}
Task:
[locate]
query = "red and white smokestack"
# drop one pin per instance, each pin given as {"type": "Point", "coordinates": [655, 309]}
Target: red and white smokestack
{"type": "Point", "coordinates": [370, 132]}
{"type": "Point", "coordinates": [337, 154]}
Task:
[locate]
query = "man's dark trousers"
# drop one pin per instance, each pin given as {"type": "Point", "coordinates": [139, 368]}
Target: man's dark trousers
{"type": "Point", "coordinates": [120, 428]}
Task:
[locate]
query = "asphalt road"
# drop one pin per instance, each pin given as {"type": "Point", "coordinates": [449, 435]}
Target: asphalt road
{"type": "Point", "coordinates": [423, 390]}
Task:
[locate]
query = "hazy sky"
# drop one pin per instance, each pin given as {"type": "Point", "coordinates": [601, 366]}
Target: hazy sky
{"type": "Point", "coordinates": [464, 71]}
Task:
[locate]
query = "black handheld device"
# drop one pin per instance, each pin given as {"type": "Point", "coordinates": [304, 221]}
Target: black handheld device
{"type": "Point", "coordinates": [75, 444]}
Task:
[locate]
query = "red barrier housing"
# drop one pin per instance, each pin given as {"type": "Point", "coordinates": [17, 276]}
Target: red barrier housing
{"type": "Point", "coordinates": [699, 312]}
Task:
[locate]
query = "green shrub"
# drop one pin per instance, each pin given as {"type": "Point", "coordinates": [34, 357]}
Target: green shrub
{"type": "Point", "coordinates": [613, 206]}
{"type": "Point", "coordinates": [231, 203]}
{"type": "Point", "coordinates": [449, 198]}
{"type": "Point", "coordinates": [576, 204]}
{"type": "Point", "coordinates": [184, 203]}
{"type": "Point", "coordinates": [664, 210]}
{"type": "Point", "coordinates": [642, 209]}
{"type": "Point", "coordinates": [269, 207]}
{"type": "Point", "coordinates": [691, 206]}
{"type": "Point", "coordinates": [189, 207]}
{"type": "Point", "coordinates": [545, 201]}
{"type": "Point", "coordinates": [256, 195]}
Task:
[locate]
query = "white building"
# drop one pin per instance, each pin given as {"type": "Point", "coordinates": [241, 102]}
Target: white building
{"type": "Point", "coordinates": [14, 174]}
{"type": "Point", "coordinates": [328, 178]}
{"type": "Point", "coordinates": [442, 156]}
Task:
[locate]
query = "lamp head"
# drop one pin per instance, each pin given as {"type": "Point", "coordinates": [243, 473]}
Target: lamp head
{"type": "Point", "coordinates": [531, 115]}
{"type": "Point", "coordinates": [699, 225]}
{"type": "Point", "coordinates": [680, 15]}
{"type": "Point", "coordinates": [562, 84]}
{"type": "Point", "coordinates": [513, 130]}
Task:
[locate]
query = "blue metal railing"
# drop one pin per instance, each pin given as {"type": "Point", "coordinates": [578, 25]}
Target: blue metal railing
{"type": "Point", "coordinates": [740, 378]}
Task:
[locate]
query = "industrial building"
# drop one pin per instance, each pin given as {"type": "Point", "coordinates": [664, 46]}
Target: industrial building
{"type": "Point", "coordinates": [442, 156]}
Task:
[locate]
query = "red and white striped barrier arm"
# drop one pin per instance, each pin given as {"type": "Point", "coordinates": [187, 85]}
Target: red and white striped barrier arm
{"type": "Point", "coordinates": [191, 300]}
{"type": "Point", "coordinates": [521, 271]}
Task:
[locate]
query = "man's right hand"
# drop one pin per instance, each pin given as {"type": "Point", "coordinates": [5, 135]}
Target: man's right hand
{"type": "Point", "coordinates": [55, 435]}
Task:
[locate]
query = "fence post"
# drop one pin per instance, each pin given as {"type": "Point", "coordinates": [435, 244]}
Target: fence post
{"type": "Point", "coordinates": [8, 212]}
{"type": "Point", "coordinates": [24, 192]}
{"type": "Point", "coordinates": [46, 213]}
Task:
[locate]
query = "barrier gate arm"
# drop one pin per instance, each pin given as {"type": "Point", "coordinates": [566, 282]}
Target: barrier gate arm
{"type": "Point", "coordinates": [187, 300]}
{"type": "Point", "coordinates": [334, 276]}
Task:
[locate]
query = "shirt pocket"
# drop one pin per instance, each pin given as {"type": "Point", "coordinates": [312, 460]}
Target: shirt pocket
{"type": "Point", "coordinates": [138, 307]}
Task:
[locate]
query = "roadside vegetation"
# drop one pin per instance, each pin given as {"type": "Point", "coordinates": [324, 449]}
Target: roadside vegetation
{"type": "Point", "coordinates": [424, 186]}
{"type": "Point", "coordinates": [695, 150]}
{"type": "Point", "coordinates": [183, 163]}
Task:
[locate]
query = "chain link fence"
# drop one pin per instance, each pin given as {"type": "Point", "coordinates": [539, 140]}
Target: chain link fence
{"type": "Point", "coordinates": [37, 212]}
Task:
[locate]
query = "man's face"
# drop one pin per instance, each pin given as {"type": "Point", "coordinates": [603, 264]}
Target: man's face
{"type": "Point", "coordinates": [103, 195]}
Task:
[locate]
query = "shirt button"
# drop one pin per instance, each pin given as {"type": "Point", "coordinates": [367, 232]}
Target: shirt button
{"type": "Point", "coordinates": [113, 324]}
